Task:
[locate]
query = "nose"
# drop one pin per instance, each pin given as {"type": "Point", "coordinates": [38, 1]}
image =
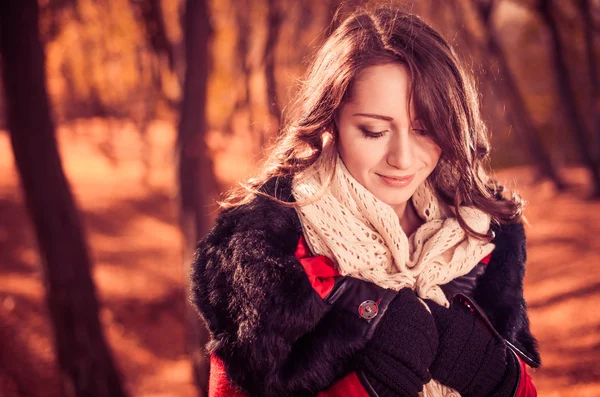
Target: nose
{"type": "Point", "coordinates": [401, 150]}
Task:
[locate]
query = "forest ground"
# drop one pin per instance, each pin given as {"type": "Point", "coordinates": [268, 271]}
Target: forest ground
{"type": "Point", "coordinates": [133, 235]}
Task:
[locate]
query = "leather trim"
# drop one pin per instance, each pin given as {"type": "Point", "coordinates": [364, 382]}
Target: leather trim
{"type": "Point", "coordinates": [464, 284]}
{"type": "Point", "coordinates": [389, 295]}
{"type": "Point", "coordinates": [528, 360]}
{"type": "Point", "coordinates": [349, 293]}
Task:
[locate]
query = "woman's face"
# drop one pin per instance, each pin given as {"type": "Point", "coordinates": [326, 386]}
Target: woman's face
{"type": "Point", "coordinates": [384, 150]}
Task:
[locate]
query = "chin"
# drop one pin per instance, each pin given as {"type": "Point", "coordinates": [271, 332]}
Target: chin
{"type": "Point", "coordinates": [394, 197]}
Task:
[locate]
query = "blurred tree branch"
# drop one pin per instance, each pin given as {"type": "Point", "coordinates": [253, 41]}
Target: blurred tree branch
{"type": "Point", "coordinates": [156, 32]}
{"type": "Point", "coordinates": [51, 13]}
{"type": "Point", "coordinates": [585, 11]}
{"type": "Point", "coordinates": [567, 96]}
{"type": "Point", "coordinates": [243, 67]}
{"type": "Point", "coordinates": [275, 19]}
{"type": "Point", "coordinates": [509, 89]}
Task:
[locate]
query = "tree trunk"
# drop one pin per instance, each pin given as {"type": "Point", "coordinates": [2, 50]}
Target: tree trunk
{"type": "Point", "coordinates": [196, 179]}
{"type": "Point", "coordinates": [243, 67]}
{"type": "Point", "coordinates": [156, 31]}
{"type": "Point", "coordinates": [567, 96]}
{"type": "Point", "coordinates": [83, 355]}
{"type": "Point", "coordinates": [516, 104]}
{"type": "Point", "coordinates": [585, 9]}
{"type": "Point", "coordinates": [274, 21]}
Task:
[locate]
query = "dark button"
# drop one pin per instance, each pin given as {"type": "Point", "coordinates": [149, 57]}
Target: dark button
{"type": "Point", "coordinates": [368, 309]}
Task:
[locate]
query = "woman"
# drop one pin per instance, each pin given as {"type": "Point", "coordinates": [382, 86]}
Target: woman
{"type": "Point", "coordinates": [373, 256]}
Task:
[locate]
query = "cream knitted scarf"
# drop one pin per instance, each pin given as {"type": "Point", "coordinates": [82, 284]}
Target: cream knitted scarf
{"type": "Point", "coordinates": [363, 236]}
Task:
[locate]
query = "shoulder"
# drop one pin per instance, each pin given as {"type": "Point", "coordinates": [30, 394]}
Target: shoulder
{"type": "Point", "coordinates": [263, 218]}
{"type": "Point", "coordinates": [251, 290]}
{"type": "Point", "coordinates": [249, 251]}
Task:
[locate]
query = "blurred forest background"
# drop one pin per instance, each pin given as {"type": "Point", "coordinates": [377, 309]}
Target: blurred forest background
{"type": "Point", "coordinates": [121, 121]}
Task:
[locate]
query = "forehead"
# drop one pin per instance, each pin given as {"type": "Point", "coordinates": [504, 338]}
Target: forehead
{"type": "Point", "coordinates": [382, 88]}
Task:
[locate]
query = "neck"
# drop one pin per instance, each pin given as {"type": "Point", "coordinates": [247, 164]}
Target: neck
{"type": "Point", "coordinates": [401, 210]}
{"type": "Point", "coordinates": [409, 220]}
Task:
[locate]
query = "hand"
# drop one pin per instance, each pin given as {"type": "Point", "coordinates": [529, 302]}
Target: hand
{"type": "Point", "coordinates": [396, 360]}
{"type": "Point", "coordinates": [470, 359]}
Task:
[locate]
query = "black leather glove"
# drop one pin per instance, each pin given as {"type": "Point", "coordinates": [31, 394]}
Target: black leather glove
{"type": "Point", "coordinates": [396, 360]}
{"type": "Point", "coordinates": [471, 359]}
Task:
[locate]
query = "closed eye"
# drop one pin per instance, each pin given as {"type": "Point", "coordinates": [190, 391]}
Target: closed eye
{"type": "Point", "coordinates": [372, 134]}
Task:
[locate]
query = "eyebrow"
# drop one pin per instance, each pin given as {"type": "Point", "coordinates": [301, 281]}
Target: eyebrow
{"type": "Point", "coordinates": [375, 116]}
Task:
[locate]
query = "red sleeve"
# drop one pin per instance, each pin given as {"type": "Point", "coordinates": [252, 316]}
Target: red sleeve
{"type": "Point", "coordinates": [219, 384]}
{"type": "Point", "coordinates": [321, 271]}
{"type": "Point", "coordinates": [526, 387]}
{"type": "Point", "coordinates": [348, 386]}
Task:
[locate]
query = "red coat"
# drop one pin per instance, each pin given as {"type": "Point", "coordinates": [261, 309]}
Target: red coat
{"type": "Point", "coordinates": [320, 272]}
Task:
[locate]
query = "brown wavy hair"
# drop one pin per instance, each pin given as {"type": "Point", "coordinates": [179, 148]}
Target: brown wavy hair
{"type": "Point", "coordinates": [442, 91]}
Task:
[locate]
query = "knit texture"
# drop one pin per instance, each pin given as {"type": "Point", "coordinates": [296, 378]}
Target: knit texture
{"type": "Point", "coordinates": [364, 238]}
{"type": "Point", "coordinates": [509, 383]}
{"type": "Point", "coordinates": [396, 361]}
{"type": "Point", "coordinates": [470, 359]}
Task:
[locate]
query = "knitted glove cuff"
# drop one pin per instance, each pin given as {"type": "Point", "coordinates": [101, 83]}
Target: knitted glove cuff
{"type": "Point", "coordinates": [508, 384]}
{"type": "Point", "coordinates": [491, 369]}
{"type": "Point", "coordinates": [390, 377]}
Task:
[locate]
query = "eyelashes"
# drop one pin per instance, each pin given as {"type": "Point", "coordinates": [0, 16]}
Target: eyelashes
{"type": "Point", "coordinates": [371, 134]}
{"type": "Point", "coordinates": [378, 134]}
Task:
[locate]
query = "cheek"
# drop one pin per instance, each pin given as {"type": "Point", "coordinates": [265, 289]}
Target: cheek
{"type": "Point", "coordinates": [435, 157]}
{"type": "Point", "coordinates": [430, 154]}
{"type": "Point", "coordinates": [360, 155]}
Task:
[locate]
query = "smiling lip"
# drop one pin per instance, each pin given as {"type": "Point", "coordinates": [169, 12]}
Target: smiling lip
{"type": "Point", "coordinates": [397, 181]}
